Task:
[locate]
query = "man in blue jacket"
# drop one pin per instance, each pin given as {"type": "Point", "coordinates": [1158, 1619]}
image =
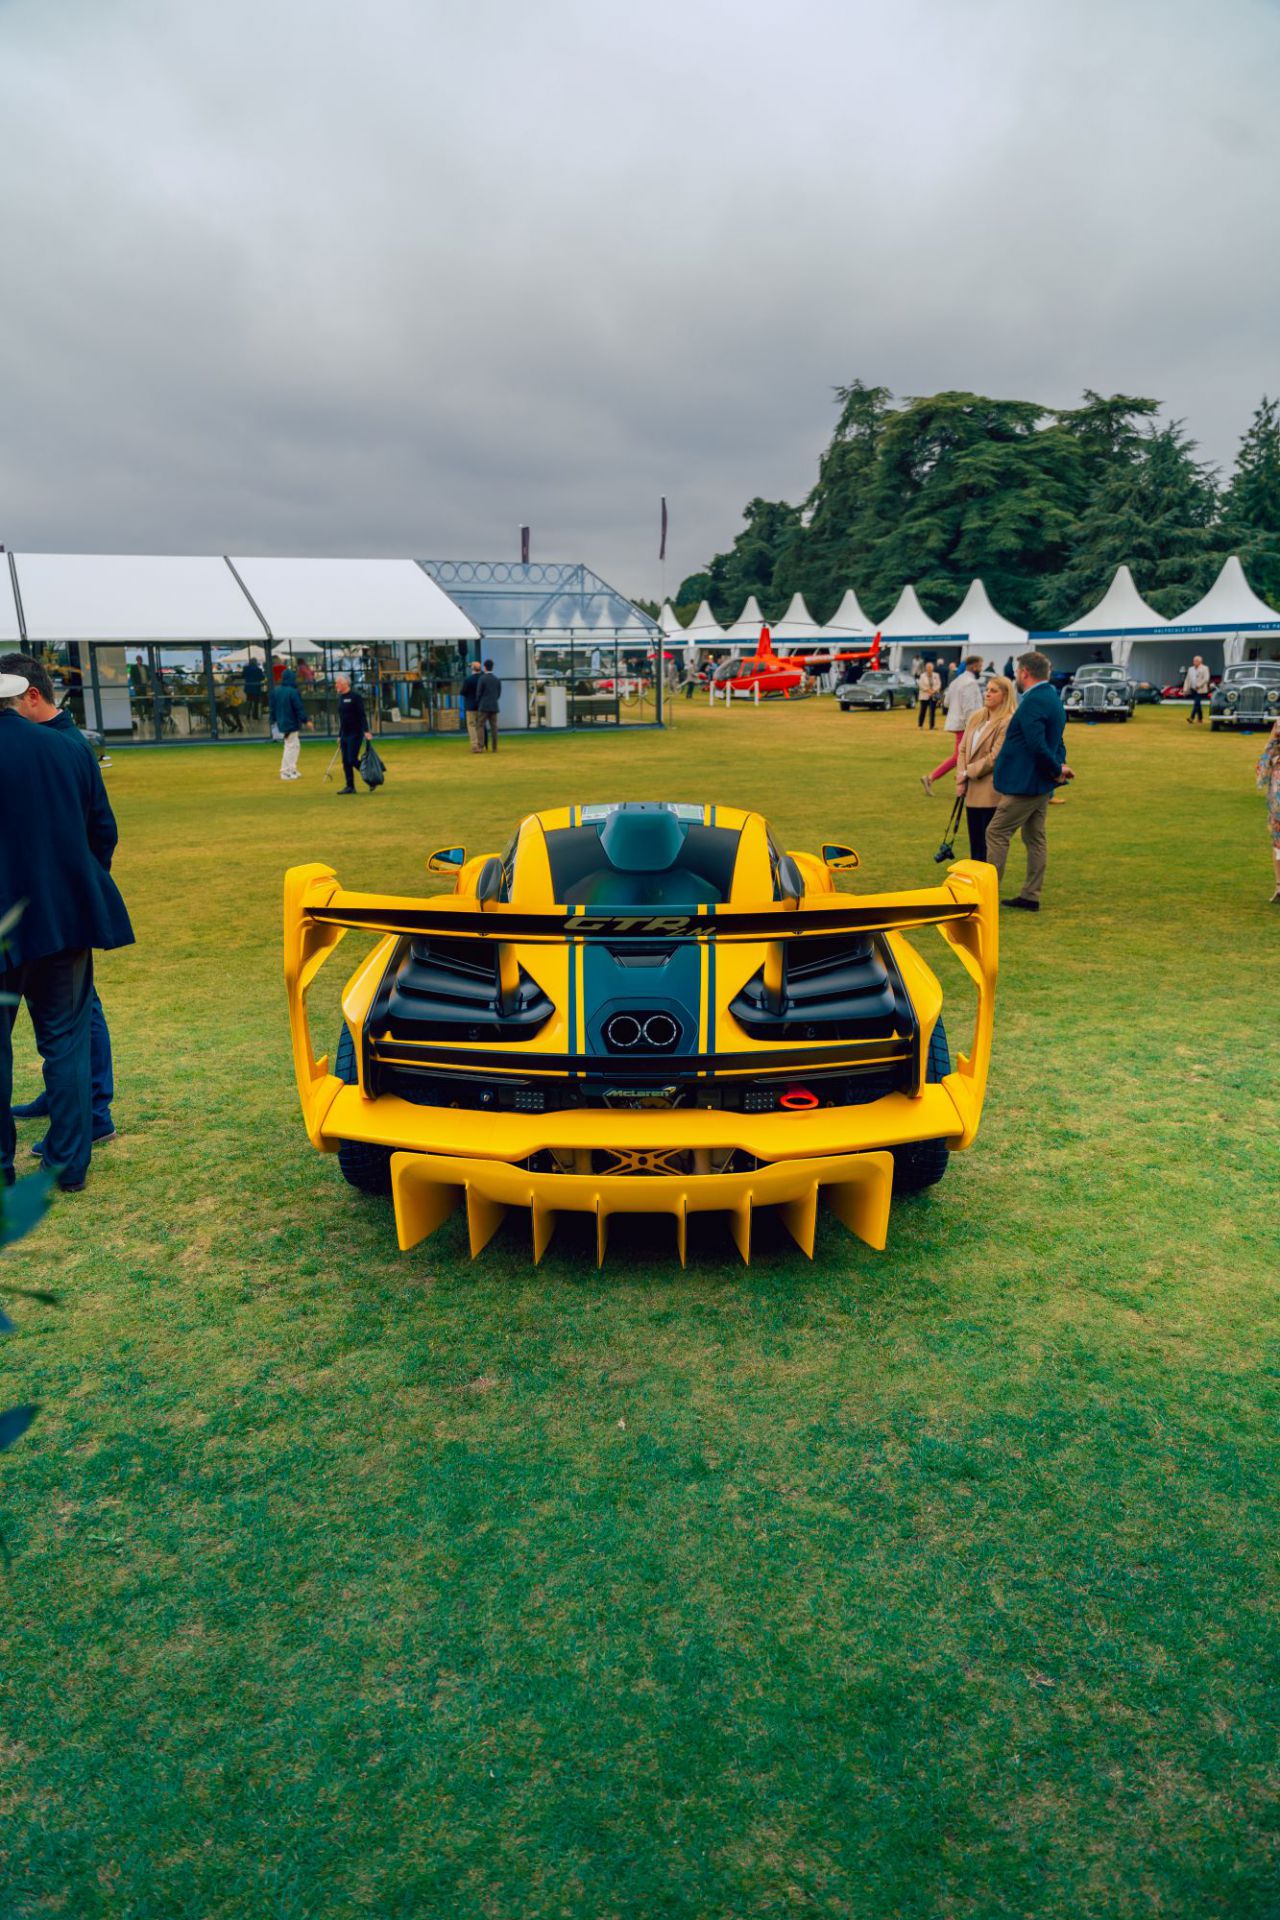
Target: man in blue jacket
{"type": "Point", "coordinates": [1029, 766]}
{"type": "Point", "coordinates": [57, 902]}
{"type": "Point", "coordinates": [38, 704]}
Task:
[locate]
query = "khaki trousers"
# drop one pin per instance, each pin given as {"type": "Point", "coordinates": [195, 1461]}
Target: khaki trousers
{"type": "Point", "coordinates": [473, 729]}
{"type": "Point", "coordinates": [1026, 811]}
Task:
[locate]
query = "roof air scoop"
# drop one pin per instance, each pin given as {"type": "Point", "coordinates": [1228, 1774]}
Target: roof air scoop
{"type": "Point", "coordinates": [641, 839]}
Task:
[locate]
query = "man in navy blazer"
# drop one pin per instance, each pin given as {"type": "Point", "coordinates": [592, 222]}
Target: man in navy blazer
{"type": "Point", "coordinates": [1029, 766]}
{"type": "Point", "coordinates": [39, 704]}
{"type": "Point", "coordinates": [57, 902]}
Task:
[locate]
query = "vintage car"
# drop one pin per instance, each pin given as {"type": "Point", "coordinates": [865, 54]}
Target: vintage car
{"type": "Point", "coordinates": [1248, 697]}
{"type": "Point", "coordinates": [1100, 692]}
{"type": "Point", "coordinates": [644, 1008]}
{"type": "Point", "coordinates": [880, 688]}
{"type": "Point", "coordinates": [1147, 694]}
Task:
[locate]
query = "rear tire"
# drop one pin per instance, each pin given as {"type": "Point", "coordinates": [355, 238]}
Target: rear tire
{"type": "Point", "coordinates": [363, 1166]}
{"type": "Point", "coordinates": [924, 1162]}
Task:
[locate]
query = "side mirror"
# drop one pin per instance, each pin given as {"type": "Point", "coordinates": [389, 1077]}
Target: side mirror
{"type": "Point", "coordinates": [840, 859]}
{"type": "Point", "coordinates": [446, 859]}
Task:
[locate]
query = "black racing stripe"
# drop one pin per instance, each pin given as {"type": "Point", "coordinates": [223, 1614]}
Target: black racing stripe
{"type": "Point", "coordinates": [712, 1009]}
{"type": "Point", "coordinates": [659, 926]}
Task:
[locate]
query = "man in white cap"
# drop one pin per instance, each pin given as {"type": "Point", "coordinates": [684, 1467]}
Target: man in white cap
{"type": "Point", "coordinates": [57, 903]}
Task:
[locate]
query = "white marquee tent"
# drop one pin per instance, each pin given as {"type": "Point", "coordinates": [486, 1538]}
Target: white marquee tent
{"type": "Point", "coordinates": [356, 602]}
{"type": "Point", "coordinates": [1107, 631]}
{"type": "Point", "coordinates": [985, 631]}
{"type": "Point", "coordinates": [744, 634]}
{"type": "Point", "coordinates": [667, 621]}
{"type": "Point", "coordinates": [704, 630]}
{"type": "Point", "coordinates": [908, 622]}
{"type": "Point", "coordinates": [797, 628]}
{"type": "Point", "coordinates": [1227, 624]}
{"type": "Point", "coordinates": [152, 599]}
{"type": "Point", "coordinates": [848, 622]}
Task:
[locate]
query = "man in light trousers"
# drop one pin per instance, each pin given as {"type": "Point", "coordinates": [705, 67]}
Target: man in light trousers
{"type": "Point", "coordinates": [1029, 767]}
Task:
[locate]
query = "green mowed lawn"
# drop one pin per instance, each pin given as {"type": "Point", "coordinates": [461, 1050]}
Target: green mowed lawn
{"type": "Point", "coordinates": [937, 1582]}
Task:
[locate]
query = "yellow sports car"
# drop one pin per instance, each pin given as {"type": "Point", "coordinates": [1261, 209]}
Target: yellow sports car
{"type": "Point", "coordinates": [642, 1008]}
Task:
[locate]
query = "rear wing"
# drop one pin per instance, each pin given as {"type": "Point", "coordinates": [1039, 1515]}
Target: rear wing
{"type": "Point", "coordinates": [318, 900]}
{"type": "Point", "coordinates": [964, 908]}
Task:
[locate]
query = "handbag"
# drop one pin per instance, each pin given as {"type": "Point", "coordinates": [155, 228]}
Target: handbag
{"type": "Point", "coordinates": [947, 850]}
{"type": "Point", "coordinates": [372, 771]}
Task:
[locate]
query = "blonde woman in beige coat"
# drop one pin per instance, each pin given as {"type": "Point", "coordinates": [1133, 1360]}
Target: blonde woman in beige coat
{"type": "Point", "coordinates": [980, 744]}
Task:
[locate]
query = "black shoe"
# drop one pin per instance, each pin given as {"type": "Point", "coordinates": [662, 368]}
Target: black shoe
{"type": "Point", "coordinates": [36, 1109]}
{"type": "Point", "coordinates": [342, 790]}
{"type": "Point", "coordinates": [1030, 906]}
{"type": "Point", "coordinates": [71, 1186]}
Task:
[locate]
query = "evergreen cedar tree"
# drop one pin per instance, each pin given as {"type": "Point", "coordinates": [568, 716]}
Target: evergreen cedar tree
{"type": "Point", "coordinates": [1042, 505]}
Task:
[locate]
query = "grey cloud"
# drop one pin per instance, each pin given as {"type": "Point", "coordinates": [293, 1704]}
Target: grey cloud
{"type": "Point", "coordinates": [311, 278]}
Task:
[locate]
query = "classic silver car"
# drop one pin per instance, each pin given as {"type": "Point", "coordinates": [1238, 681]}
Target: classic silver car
{"type": "Point", "coordinates": [1248, 697]}
{"type": "Point", "coordinates": [881, 688]}
{"type": "Point", "coordinates": [1100, 693]}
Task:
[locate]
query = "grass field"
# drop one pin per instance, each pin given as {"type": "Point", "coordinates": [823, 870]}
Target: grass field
{"type": "Point", "coordinates": [937, 1582]}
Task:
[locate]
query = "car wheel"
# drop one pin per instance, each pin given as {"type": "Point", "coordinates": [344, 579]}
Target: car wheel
{"type": "Point", "coordinates": [1215, 726]}
{"type": "Point", "coordinates": [923, 1163]}
{"type": "Point", "coordinates": [363, 1166]}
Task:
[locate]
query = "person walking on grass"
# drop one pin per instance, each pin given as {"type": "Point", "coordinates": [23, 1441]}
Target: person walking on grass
{"type": "Point", "coordinates": [977, 751]}
{"type": "Point", "coordinates": [470, 694]}
{"type": "Point", "coordinates": [38, 704]}
{"type": "Point", "coordinates": [963, 697]}
{"type": "Point", "coordinates": [488, 700]}
{"type": "Point", "coordinates": [57, 903]}
{"type": "Point", "coordinates": [1030, 766]}
{"type": "Point", "coordinates": [1197, 685]}
{"type": "Point", "coordinates": [290, 717]}
{"type": "Point", "coordinates": [353, 731]}
{"type": "Point", "coordinates": [1269, 783]}
{"type": "Point", "coordinates": [928, 688]}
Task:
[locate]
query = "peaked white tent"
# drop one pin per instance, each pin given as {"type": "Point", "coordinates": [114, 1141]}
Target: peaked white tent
{"type": "Point", "coordinates": [704, 630]}
{"type": "Point", "coordinates": [745, 631]}
{"type": "Point", "coordinates": [1108, 631]}
{"type": "Point", "coordinates": [1230, 617]}
{"type": "Point", "coordinates": [848, 621]}
{"type": "Point", "coordinates": [668, 622]}
{"type": "Point", "coordinates": [986, 631]}
{"type": "Point", "coordinates": [908, 622]}
{"type": "Point", "coordinates": [797, 627]}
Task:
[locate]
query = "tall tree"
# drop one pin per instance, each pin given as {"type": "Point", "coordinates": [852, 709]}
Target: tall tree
{"type": "Point", "coordinates": [824, 557]}
{"type": "Point", "coordinates": [1251, 504]}
{"type": "Point", "coordinates": [750, 565]}
{"type": "Point", "coordinates": [1156, 514]}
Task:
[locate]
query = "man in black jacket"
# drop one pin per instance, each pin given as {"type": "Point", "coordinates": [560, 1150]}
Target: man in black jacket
{"type": "Point", "coordinates": [353, 730]}
{"type": "Point", "coordinates": [1030, 765]}
{"type": "Point", "coordinates": [57, 902]}
{"type": "Point", "coordinates": [38, 704]}
{"type": "Point", "coordinates": [488, 698]}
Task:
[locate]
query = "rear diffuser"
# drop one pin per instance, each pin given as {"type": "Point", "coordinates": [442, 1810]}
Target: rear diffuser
{"type": "Point", "coordinates": [428, 1187]}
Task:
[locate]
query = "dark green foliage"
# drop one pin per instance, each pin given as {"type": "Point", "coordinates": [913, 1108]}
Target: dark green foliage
{"type": "Point", "coordinates": [1154, 513]}
{"type": "Point", "coordinates": [1042, 505]}
{"type": "Point", "coordinates": [1251, 505]}
{"type": "Point", "coordinates": [759, 551]}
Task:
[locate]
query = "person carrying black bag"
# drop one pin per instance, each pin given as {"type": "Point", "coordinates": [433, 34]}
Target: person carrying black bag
{"type": "Point", "coordinates": [353, 730]}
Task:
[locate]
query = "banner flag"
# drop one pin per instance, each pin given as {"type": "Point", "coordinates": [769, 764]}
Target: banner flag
{"type": "Point", "coordinates": [662, 544]}
{"type": "Point", "coordinates": [524, 546]}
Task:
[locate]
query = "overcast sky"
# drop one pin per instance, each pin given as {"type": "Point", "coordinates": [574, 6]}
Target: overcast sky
{"type": "Point", "coordinates": [299, 277]}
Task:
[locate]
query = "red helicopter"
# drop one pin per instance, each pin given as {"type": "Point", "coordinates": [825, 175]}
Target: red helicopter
{"type": "Point", "coordinates": [766, 674]}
